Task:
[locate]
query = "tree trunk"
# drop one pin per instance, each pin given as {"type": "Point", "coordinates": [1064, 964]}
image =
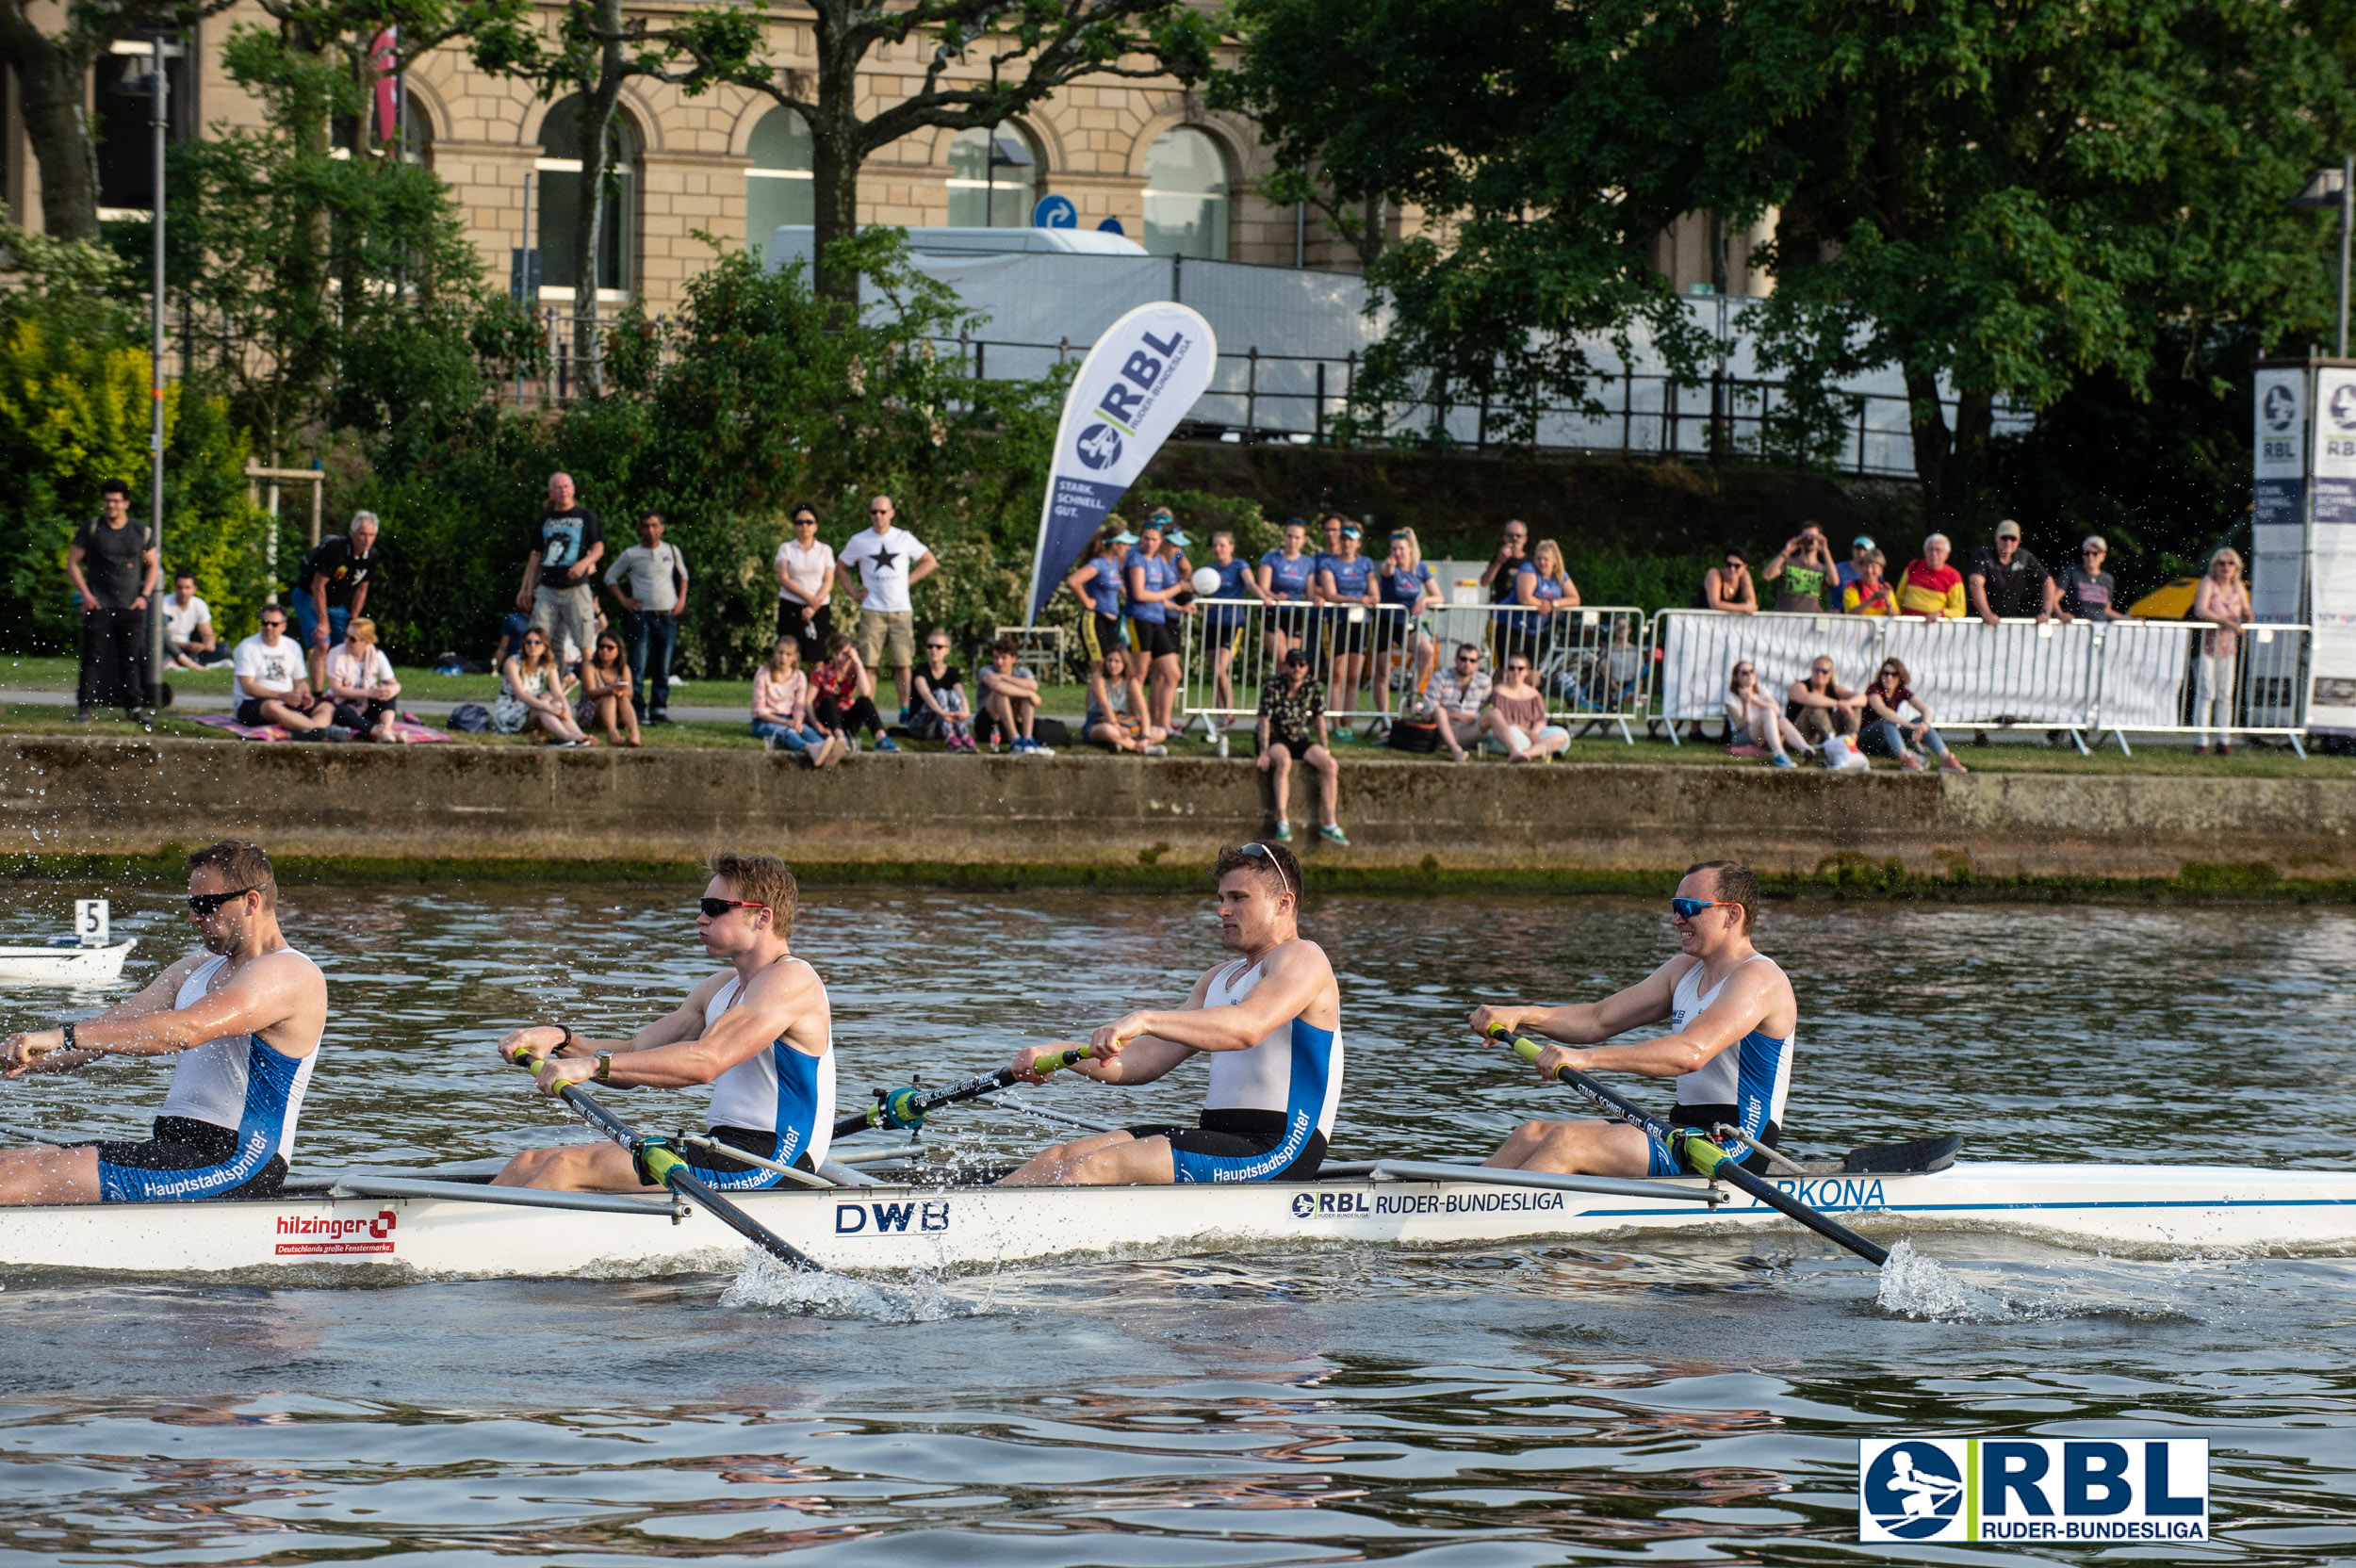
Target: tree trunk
{"type": "Point", "coordinates": [597, 116]}
{"type": "Point", "coordinates": [51, 81]}
{"type": "Point", "coordinates": [1934, 446]}
{"type": "Point", "coordinates": [836, 154]}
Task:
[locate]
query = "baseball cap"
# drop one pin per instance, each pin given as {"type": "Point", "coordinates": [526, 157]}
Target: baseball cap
{"type": "Point", "coordinates": [1350, 530]}
{"type": "Point", "coordinates": [1862, 542]}
{"type": "Point", "coordinates": [2008, 530]}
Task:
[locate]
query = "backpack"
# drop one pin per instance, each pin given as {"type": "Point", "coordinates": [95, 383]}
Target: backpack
{"type": "Point", "coordinates": [471, 718]}
{"type": "Point", "coordinates": [1418, 735]}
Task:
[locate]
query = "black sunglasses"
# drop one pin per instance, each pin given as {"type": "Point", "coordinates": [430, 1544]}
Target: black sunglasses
{"type": "Point", "coordinates": [715, 908]}
{"type": "Point", "coordinates": [1261, 852]}
{"type": "Point", "coordinates": [206, 903]}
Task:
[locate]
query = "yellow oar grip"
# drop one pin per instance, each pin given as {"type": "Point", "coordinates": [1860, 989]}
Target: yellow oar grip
{"type": "Point", "coordinates": [1047, 1064]}
{"type": "Point", "coordinates": [661, 1161]}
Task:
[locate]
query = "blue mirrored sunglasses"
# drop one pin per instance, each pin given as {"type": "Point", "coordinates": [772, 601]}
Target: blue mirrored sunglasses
{"type": "Point", "coordinates": [1686, 909]}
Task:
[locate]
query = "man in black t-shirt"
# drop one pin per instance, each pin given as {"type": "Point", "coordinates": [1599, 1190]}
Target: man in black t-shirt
{"type": "Point", "coordinates": [567, 544]}
{"type": "Point", "coordinates": [2007, 580]}
{"type": "Point", "coordinates": [113, 567]}
{"type": "Point", "coordinates": [332, 587]}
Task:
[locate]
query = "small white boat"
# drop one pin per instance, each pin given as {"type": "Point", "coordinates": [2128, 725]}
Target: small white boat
{"type": "Point", "coordinates": [65, 962]}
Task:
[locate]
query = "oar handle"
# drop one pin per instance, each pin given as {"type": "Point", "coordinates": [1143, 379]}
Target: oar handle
{"type": "Point", "coordinates": [1047, 1064]}
{"type": "Point", "coordinates": [1525, 1048]}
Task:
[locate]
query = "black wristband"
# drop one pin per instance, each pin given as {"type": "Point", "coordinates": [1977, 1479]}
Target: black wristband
{"type": "Point", "coordinates": [567, 1043]}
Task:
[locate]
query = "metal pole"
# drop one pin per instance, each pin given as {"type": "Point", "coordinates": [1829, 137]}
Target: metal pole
{"type": "Point", "coordinates": [1320, 415]}
{"type": "Point", "coordinates": [2348, 220]}
{"type": "Point", "coordinates": [1251, 391]}
{"type": "Point", "coordinates": [1301, 234]}
{"type": "Point", "coordinates": [158, 105]}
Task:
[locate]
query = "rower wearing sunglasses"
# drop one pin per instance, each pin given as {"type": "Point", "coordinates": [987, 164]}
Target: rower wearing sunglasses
{"type": "Point", "coordinates": [1733, 1024]}
{"type": "Point", "coordinates": [759, 1032]}
{"type": "Point", "coordinates": [1271, 1022]}
{"type": "Point", "coordinates": [243, 1018]}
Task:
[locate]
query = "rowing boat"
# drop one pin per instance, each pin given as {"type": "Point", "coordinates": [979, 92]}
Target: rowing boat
{"type": "Point", "coordinates": [454, 1227]}
{"type": "Point", "coordinates": [65, 962]}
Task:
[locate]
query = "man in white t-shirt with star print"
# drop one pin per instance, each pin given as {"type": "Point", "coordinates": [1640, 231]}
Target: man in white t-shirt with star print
{"type": "Point", "coordinates": [891, 560]}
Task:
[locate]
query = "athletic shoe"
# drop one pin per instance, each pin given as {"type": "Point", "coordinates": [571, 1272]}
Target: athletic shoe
{"type": "Point", "coordinates": [1157, 749]}
{"type": "Point", "coordinates": [884, 742]}
{"type": "Point", "coordinates": [1780, 760]}
{"type": "Point", "coordinates": [1952, 764]}
{"type": "Point", "coordinates": [1909, 763]}
{"type": "Point", "coordinates": [1332, 833]}
{"type": "Point", "coordinates": [1283, 834]}
{"type": "Point", "coordinates": [1037, 750]}
{"type": "Point", "coordinates": [1343, 732]}
{"type": "Point", "coordinates": [658, 716]}
{"type": "Point", "coordinates": [1023, 746]}
{"type": "Point", "coordinates": [87, 715]}
{"type": "Point", "coordinates": [1746, 749]}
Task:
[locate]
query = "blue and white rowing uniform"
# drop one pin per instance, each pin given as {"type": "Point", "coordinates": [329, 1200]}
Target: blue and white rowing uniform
{"type": "Point", "coordinates": [1228, 618]}
{"type": "Point", "coordinates": [227, 1128]}
{"type": "Point", "coordinates": [777, 1103]}
{"type": "Point", "coordinates": [1743, 1085]}
{"type": "Point", "coordinates": [1288, 580]}
{"type": "Point", "coordinates": [1271, 1108]}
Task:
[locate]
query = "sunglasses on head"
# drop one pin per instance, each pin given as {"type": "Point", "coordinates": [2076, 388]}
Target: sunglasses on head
{"type": "Point", "coordinates": [205, 904]}
{"type": "Point", "coordinates": [1686, 909]}
{"type": "Point", "coordinates": [1261, 852]}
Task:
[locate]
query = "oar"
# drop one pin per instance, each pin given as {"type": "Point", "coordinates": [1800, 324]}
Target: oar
{"type": "Point", "coordinates": [668, 1168]}
{"type": "Point", "coordinates": [908, 1106]}
{"type": "Point", "coordinates": [1705, 1157]}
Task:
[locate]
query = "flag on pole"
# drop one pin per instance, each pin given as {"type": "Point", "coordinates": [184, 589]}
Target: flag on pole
{"type": "Point", "coordinates": [1141, 378]}
{"type": "Point", "coordinates": [383, 56]}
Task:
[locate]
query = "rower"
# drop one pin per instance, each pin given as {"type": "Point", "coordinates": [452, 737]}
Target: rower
{"type": "Point", "coordinates": [1271, 1022]}
{"type": "Point", "coordinates": [1733, 1022]}
{"type": "Point", "coordinates": [244, 1016]}
{"type": "Point", "coordinates": [759, 1032]}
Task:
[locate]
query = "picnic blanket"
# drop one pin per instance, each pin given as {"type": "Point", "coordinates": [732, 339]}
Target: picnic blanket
{"type": "Point", "coordinates": [406, 729]}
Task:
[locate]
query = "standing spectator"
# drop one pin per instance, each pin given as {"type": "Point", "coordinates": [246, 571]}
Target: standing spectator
{"type": "Point", "coordinates": [1512, 553]}
{"type": "Point", "coordinates": [1116, 714]}
{"type": "Point", "coordinates": [1288, 582]}
{"type": "Point", "coordinates": [1097, 581]}
{"type": "Point", "coordinates": [271, 685]}
{"type": "Point", "coordinates": [531, 694]}
{"type": "Point", "coordinates": [1153, 582]}
{"type": "Point", "coordinates": [1820, 706]}
{"type": "Point", "coordinates": [1292, 728]}
{"type": "Point", "coordinates": [1456, 696]}
{"type": "Point", "coordinates": [1888, 732]}
{"type": "Point", "coordinates": [650, 579]}
{"type": "Point", "coordinates": [1751, 713]}
{"type": "Point", "coordinates": [2007, 580]}
{"type": "Point", "coordinates": [1224, 625]}
{"type": "Point", "coordinates": [361, 690]}
{"type": "Point", "coordinates": [113, 566]}
{"type": "Point", "coordinates": [1174, 545]}
{"type": "Point", "coordinates": [189, 642]}
{"type": "Point", "coordinates": [2222, 601]}
{"type": "Point", "coordinates": [1011, 698]}
{"type": "Point", "coordinates": [1516, 720]}
{"type": "Point", "coordinates": [1802, 572]}
{"type": "Point", "coordinates": [566, 545]}
{"type": "Point", "coordinates": [2086, 591]}
{"type": "Point", "coordinates": [890, 562]}
{"type": "Point", "coordinates": [781, 708]}
{"type": "Point", "coordinates": [1867, 593]}
{"type": "Point", "coordinates": [1409, 595]}
{"type": "Point", "coordinates": [839, 698]}
{"type": "Point", "coordinates": [1544, 589]}
{"type": "Point", "coordinates": [605, 692]}
{"type": "Point", "coordinates": [1728, 587]}
{"type": "Point", "coordinates": [806, 573]}
{"type": "Point", "coordinates": [1345, 581]}
{"type": "Point", "coordinates": [331, 587]}
{"type": "Point", "coordinates": [941, 711]}
{"type": "Point", "coordinates": [1853, 569]}
{"type": "Point", "coordinates": [1929, 587]}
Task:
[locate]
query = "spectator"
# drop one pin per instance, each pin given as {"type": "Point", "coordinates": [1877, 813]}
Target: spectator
{"type": "Point", "coordinates": [1729, 588]}
{"type": "Point", "coordinates": [1409, 595]}
{"type": "Point", "coordinates": [1820, 706]}
{"type": "Point", "coordinates": [112, 565]}
{"type": "Point", "coordinates": [1224, 627]}
{"type": "Point", "coordinates": [781, 708]}
{"type": "Point", "coordinates": [1751, 713]}
{"type": "Point", "coordinates": [650, 579]}
{"type": "Point", "coordinates": [806, 574]}
{"type": "Point", "coordinates": [2084, 590]}
{"type": "Point", "coordinates": [531, 694]}
{"type": "Point", "coordinates": [1345, 581]}
{"type": "Point", "coordinates": [1544, 588]}
{"type": "Point", "coordinates": [1454, 699]}
{"type": "Point", "coordinates": [331, 587]}
{"type": "Point", "coordinates": [1867, 593]}
{"type": "Point", "coordinates": [1853, 569]}
{"type": "Point", "coordinates": [1513, 554]}
{"type": "Point", "coordinates": [606, 698]}
{"type": "Point", "coordinates": [361, 690]}
{"type": "Point", "coordinates": [1802, 572]}
{"type": "Point", "coordinates": [1888, 733]}
{"type": "Point", "coordinates": [1516, 720]}
{"type": "Point", "coordinates": [189, 640]}
{"type": "Point", "coordinates": [941, 711]}
{"type": "Point", "coordinates": [1623, 667]}
{"type": "Point", "coordinates": [1010, 699]}
{"type": "Point", "coordinates": [2007, 580]}
{"type": "Point", "coordinates": [2224, 603]}
{"type": "Point", "coordinates": [1097, 580]}
{"type": "Point", "coordinates": [1174, 546]}
{"type": "Point", "coordinates": [566, 545]}
{"type": "Point", "coordinates": [1292, 728]}
{"type": "Point", "coordinates": [1929, 587]}
{"type": "Point", "coordinates": [1287, 578]}
{"type": "Point", "coordinates": [1117, 714]}
{"type": "Point", "coordinates": [271, 685]}
{"type": "Point", "coordinates": [839, 698]}
{"type": "Point", "coordinates": [512, 629]}
{"type": "Point", "coordinates": [890, 562]}
{"type": "Point", "coordinates": [1153, 582]}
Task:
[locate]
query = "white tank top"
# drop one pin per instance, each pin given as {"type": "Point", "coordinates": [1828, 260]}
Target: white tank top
{"type": "Point", "coordinates": [1754, 1074]}
{"type": "Point", "coordinates": [1297, 1067]}
{"type": "Point", "coordinates": [779, 1090]}
{"type": "Point", "coordinates": [239, 1082]}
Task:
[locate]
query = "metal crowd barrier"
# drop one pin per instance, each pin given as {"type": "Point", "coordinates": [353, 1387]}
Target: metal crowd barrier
{"type": "Point", "coordinates": [2086, 677]}
{"type": "Point", "coordinates": [1591, 661]}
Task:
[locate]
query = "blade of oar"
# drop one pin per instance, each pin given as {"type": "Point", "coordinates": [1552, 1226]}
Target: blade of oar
{"type": "Point", "coordinates": [672, 1172]}
{"type": "Point", "coordinates": [1706, 1157]}
{"type": "Point", "coordinates": [908, 1106]}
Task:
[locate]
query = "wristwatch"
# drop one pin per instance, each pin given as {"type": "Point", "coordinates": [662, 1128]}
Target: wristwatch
{"type": "Point", "coordinates": [605, 1068]}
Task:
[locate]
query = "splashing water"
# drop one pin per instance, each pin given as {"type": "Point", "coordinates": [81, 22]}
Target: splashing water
{"type": "Point", "coordinates": [766, 1283]}
{"type": "Point", "coordinates": [1916, 1286]}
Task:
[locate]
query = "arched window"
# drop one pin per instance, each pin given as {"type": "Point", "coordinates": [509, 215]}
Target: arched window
{"type": "Point", "coordinates": [559, 198]}
{"type": "Point", "coordinates": [1186, 195]}
{"type": "Point", "coordinates": [778, 187]}
{"type": "Point", "coordinates": [993, 179]}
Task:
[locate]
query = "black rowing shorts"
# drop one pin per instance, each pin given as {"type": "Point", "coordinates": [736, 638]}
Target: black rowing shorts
{"type": "Point", "coordinates": [187, 1159]}
{"type": "Point", "coordinates": [1232, 1145]}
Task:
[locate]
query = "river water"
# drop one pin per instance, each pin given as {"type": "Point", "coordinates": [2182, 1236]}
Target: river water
{"type": "Point", "coordinates": [1688, 1401]}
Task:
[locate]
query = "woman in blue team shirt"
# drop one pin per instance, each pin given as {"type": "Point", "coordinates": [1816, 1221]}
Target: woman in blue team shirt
{"type": "Point", "coordinates": [1409, 593]}
{"type": "Point", "coordinates": [1223, 624]}
{"type": "Point", "coordinates": [1098, 582]}
{"type": "Point", "coordinates": [1544, 589]}
{"type": "Point", "coordinates": [1285, 579]}
{"type": "Point", "coordinates": [1153, 582]}
{"type": "Point", "coordinates": [1347, 580]}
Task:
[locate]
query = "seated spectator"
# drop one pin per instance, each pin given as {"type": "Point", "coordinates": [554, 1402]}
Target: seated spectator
{"type": "Point", "coordinates": [1867, 593]}
{"type": "Point", "coordinates": [1010, 699]}
{"type": "Point", "coordinates": [272, 685]}
{"type": "Point", "coordinates": [1291, 728]}
{"type": "Point", "coordinates": [2086, 591]}
{"type": "Point", "coordinates": [940, 713]}
{"type": "Point", "coordinates": [189, 642]}
{"type": "Point", "coordinates": [1886, 731]}
{"type": "Point", "coordinates": [1929, 587]}
{"type": "Point", "coordinates": [781, 707]}
{"type": "Point", "coordinates": [1623, 667]}
{"type": "Point", "coordinates": [360, 683]}
{"type": "Point", "coordinates": [1820, 706]}
{"type": "Point", "coordinates": [1454, 698]}
{"type": "Point", "coordinates": [1802, 571]}
{"type": "Point", "coordinates": [1729, 587]}
{"type": "Point", "coordinates": [531, 694]}
{"type": "Point", "coordinates": [839, 696]}
{"type": "Point", "coordinates": [608, 697]}
{"type": "Point", "coordinates": [1751, 713]}
{"type": "Point", "coordinates": [2007, 582]}
{"type": "Point", "coordinates": [1515, 723]}
{"type": "Point", "coordinates": [1116, 714]}
{"type": "Point", "coordinates": [512, 629]}
{"type": "Point", "coordinates": [1853, 569]}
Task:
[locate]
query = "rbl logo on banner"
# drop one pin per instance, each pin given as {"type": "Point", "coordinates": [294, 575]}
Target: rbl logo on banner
{"type": "Point", "coordinates": [2082, 1490]}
